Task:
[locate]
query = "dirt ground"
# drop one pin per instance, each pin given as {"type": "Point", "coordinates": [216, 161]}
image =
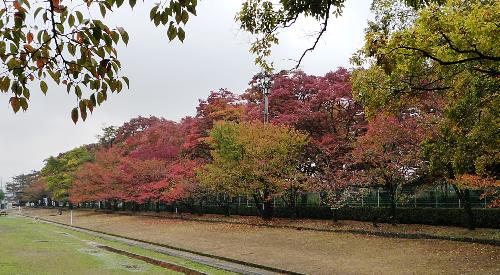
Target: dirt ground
{"type": "Point", "coordinates": [449, 231]}
{"type": "Point", "coordinates": [302, 251]}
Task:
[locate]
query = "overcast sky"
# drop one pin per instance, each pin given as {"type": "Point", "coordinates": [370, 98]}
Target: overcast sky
{"type": "Point", "coordinates": [167, 79]}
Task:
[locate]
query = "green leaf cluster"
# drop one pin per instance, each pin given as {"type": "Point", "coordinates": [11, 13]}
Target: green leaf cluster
{"type": "Point", "coordinates": [58, 172]}
{"type": "Point", "coordinates": [252, 158]}
{"type": "Point", "coordinates": [448, 56]}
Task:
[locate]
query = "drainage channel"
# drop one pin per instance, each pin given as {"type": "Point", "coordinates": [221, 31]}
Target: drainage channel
{"type": "Point", "coordinates": [228, 264]}
{"type": "Point", "coordinates": [152, 261]}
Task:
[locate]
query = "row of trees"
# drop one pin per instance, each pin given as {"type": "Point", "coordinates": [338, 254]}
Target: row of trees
{"type": "Point", "coordinates": [422, 109]}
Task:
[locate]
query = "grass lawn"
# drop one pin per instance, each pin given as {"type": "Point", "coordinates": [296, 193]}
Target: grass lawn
{"type": "Point", "coordinates": [30, 247]}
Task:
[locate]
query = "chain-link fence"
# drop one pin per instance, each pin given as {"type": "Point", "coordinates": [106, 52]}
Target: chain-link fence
{"type": "Point", "coordinates": [433, 197]}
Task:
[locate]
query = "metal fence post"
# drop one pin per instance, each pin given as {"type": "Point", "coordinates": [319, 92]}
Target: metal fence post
{"type": "Point", "coordinates": [459, 203]}
{"type": "Point", "coordinates": [415, 201]}
{"type": "Point", "coordinates": [436, 196]}
{"type": "Point", "coordinates": [378, 197]}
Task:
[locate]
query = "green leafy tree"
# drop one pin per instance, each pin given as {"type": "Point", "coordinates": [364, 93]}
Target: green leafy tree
{"type": "Point", "coordinates": [253, 159]}
{"type": "Point", "coordinates": [2, 195]}
{"type": "Point", "coordinates": [58, 172]}
{"type": "Point", "coordinates": [19, 183]}
{"type": "Point", "coordinates": [444, 61]}
{"type": "Point", "coordinates": [108, 136]}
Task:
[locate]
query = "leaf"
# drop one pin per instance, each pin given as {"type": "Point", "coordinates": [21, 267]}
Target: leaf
{"type": "Point", "coordinates": [83, 114]}
{"type": "Point", "coordinates": [78, 91]}
{"type": "Point", "coordinates": [29, 37]}
{"type": "Point", "coordinates": [26, 93]}
{"type": "Point", "coordinates": [103, 10]}
{"type": "Point", "coordinates": [132, 3]}
{"type": "Point", "coordinates": [181, 34]}
{"type": "Point", "coordinates": [37, 11]}
{"type": "Point", "coordinates": [153, 11]}
{"type": "Point", "coordinates": [124, 35]}
{"type": "Point", "coordinates": [184, 17]}
{"type": "Point", "coordinates": [83, 109]}
{"type": "Point", "coordinates": [126, 81]}
{"type": "Point", "coordinates": [43, 87]}
{"type": "Point", "coordinates": [39, 64]}
{"type": "Point", "coordinates": [100, 98]}
{"type": "Point", "coordinates": [171, 32]}
{"type": "Point", "coordinates": [79, 15]}
{"type": "Point", "coordinates": [119, 3]}
{"type": "Point", "coordinates": [24, 103]}
{"type": "Point", "coordinates": [74, 115]}
{"type": "Point", "coordinates": [14, 102]}
{"type": "Point", "coordinates": [71, 20]}
{"type": "Point", "coordinates": [93, 100]}
{"type": "Point", "coordinates": [97, 32]}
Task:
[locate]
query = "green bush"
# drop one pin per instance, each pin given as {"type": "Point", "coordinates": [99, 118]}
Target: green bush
{"type": "Point", "coordinates": [486, 218]}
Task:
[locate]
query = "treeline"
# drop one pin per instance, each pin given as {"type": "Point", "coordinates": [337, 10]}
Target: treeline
{"type": "Point", "coordinates": [423, 110]}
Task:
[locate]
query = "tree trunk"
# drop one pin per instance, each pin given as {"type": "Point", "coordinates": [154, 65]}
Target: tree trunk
{"type": "Point", "coordinates": [267, 212]}
{"type": "Point", "coordinates": [393, 198]}
{"type": "Point", "coordinates": [258, 205]}
{"type": "Point", "coordinates": [471, 225]}
{"type": "Point", "coordinates": [157, 207]}
{"type": "Point", "coordinates": [228, 208]}
{"type": "Point", "coordinates": [393, 213]}
{"type": "Point", "coordinates": [372, 216]}
{"type": "Point", "coordinates": [201, 208]}
{"type": "Point", "coordinates": [465, 197]}
{"type": "Point", "coordinates": [334, 215]}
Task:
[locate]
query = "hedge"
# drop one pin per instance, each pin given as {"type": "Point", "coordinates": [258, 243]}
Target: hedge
{"type": "Point", "coordinates": [486, 218]}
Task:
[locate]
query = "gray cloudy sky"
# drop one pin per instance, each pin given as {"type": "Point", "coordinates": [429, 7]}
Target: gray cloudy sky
{"type": "Point", "coordinates": [167, 79]}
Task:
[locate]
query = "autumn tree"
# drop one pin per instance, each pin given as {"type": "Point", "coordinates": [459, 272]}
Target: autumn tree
{"type": "Point", "coordinates": [390, 155]}
{"type": "Point", "coordinates": [465, 151]}
{"type": "Point", "coordinates": [98, 180]}
{"type": "Point", "coordinates": [322, 106]}
{"type": "Point", "coordinates": [140, 169]}
{"type": "Point", "coordinates": [58, 172]}
{"type": "Point", "coordinates": [424, 54]}
{"type": "Point", "coordinates": [221, 105]}
{"type": "Point", "coordinates": [253, 159]}
{"type": "Point", "coordinates": [35, 192]}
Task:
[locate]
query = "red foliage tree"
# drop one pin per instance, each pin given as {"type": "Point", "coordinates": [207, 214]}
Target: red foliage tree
{"type": "Point", "coordinates": [324, 108]}
{"type": "Point", "coordinates": [134, 126]}
{"type": "Point", "coordinates": [390, 154]}
{"type": "Point", "coordinates": [99, 180]}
